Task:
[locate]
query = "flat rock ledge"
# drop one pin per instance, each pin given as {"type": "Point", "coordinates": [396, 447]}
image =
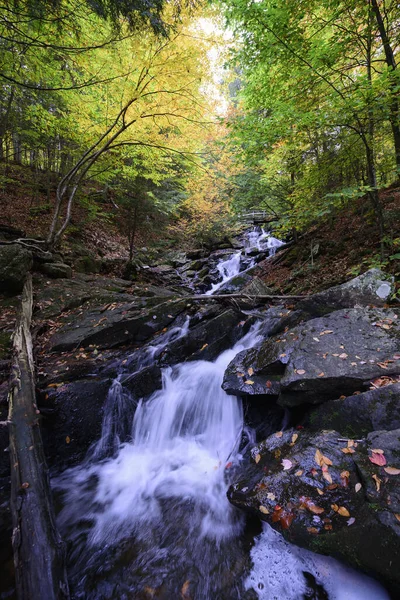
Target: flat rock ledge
{"type": "Point", "coordinates": [322, 359]}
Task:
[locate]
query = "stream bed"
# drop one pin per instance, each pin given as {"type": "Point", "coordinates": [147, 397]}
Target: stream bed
{"type": "Point", "coordinates": [146, 514]}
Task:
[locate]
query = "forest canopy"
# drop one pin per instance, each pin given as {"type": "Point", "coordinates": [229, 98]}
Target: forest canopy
{"type": "Point", "coordinates": [294, 108]}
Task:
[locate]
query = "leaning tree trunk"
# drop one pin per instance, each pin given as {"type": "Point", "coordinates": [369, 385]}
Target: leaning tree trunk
{"type": "Point", "coordinates": [38, 550]}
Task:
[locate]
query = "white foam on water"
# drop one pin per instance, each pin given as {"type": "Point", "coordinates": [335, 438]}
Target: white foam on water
{"type": "Point", "coordinates": [278, 568]}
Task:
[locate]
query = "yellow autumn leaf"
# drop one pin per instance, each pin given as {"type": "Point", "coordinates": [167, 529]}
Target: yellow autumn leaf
{"type": "Point", "coordinates": [342, 511]}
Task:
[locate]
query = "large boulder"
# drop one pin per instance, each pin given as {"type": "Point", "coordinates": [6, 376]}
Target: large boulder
{"type": "Point", "coordinates": [113, 326]}
{"type": "Point", "coordinates": [360, 414]}
{"type": "Point", "coordinates": [322, 359]}
{"type": "Point", "coordinates": [371, 288]}
{"type": "Point", "coordinates": [56, 270]}
{"type": "Point", "coordinates": [326, 494]}
{"type": "Point", "coordinates": [15, 262]}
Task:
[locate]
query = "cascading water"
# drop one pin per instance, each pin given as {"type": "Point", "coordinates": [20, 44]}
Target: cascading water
{"type": "Point", "coordinates": [227, 269]}
{"type": "Point", "coordinates": [146, 515]}
{"type": "Point", "coordinates": [232, 266]}
{"type": "Point", "coordinates": [164, 492]}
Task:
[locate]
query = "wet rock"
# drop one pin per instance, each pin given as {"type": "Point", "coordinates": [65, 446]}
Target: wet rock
{"type": "Point", "coordinates": [56, 270]}
{"type": "Point", "coordinates": [71, 419]}
{"type": "Point", "coordinates": [236, 284]}
{"type": "Point", "coordinates": [321, 498]}
{"type": "Point", "coordinates": [252, 251]}
{"type": "Point", "coordinates": [113, 327]}
{"type": "Point", "coordinates": [208, 339]}
{"type": "Point", "coordinates": [356, 416]}
{"type": "Point", "coordinates": [144, 382]}
{"type": "Point", "coordinates": [15, 262]}
{"type": "Point", "coordinates": [325, 358]}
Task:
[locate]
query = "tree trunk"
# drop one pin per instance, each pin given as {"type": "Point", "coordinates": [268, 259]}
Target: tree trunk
{"type": "Point", "coordinates": [392, 65]}
{"type": "Point", "coordinates": [38, 550]}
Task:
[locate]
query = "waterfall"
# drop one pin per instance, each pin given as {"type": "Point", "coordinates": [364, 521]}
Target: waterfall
{"type": "Point", "coordinates": [231, 266]}
{"type": "Point", "coordinates": [227, 268]}
{"type": "Point", "coordinates": [165, 490]}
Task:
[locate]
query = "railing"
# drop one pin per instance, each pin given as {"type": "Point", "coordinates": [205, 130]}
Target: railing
{"type": "Point", "coordinates": [256, 216]}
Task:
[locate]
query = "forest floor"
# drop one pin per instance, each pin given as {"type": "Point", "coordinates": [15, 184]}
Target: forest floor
{"type": "Point", "coordinates": [336, 249]}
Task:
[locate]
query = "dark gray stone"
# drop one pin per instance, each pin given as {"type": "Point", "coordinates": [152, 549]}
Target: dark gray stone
{"type": "Point", "coordinates": [112, 328]}
{"type": "Point", "coordinates": [56, 270]}
{"type": "Point", "coordinates": [324, 358]}
{"type": "Point", "coordinates": [288, 498]}
{"type": "Point", "coordinates": [358, 415]}
{"type": "Point", "coordinates": [15, 262]}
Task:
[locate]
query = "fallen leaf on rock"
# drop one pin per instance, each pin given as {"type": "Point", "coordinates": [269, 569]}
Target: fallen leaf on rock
{"type": "Point", "coordinates": [382, 365]}
{"type": "Point", "coordinates": [377, 482]}
{"type": "Point", "coordinates": [300, 371]}
{"type": "Point", "coordinates": [257, 458]}
{"type": "Point", "coordinates": [279, 434]}
{"type": "Point", "coordinates": [287, 464]}
{"type": "Point", "coordinates": [269, 384]}
{"type": "Point", "coordinates": [391, 470]}
{"type": "Point", "coordinates": [67, 439]}
{"type": "Point", "coordinates": [239, 374]}
{"type": "Point", "coordinates": [271, 496]}
{"type": "Point", "coordinates": [312, 530]}
{"type": "Point", "coordinates": [322, 374]}
{"type": "Point", "coordinates": [358, 487]}
{"type": "Point", "coordinates": [264, 510]}
{"type": "Point", "coordinates": [185, 590]}
{"type": "Point", "coordinates": [326, 475]}
{"type": "Point", "coordinates": [316, 510]}
{"type": "Point", "coordinates": [334, 507]}
{"type": "Point", "coordinates": [228, 465]}
{"type": "Point", "coordinates": [343, 512]}
{"type": "Point", "coordinates": [351, 521]}
{"type": "Point", "coordinates": [250, 371]}
{"type": "Point", "coordinates": [249, 382]}
{"type": "Point", "coordinates": [347, 450]}
{"type": "Point", "coordinates": [316, 339]}
{"type": "Point", "coordinates": [345, 474]}
{"type": "Point", "coordinates": [377, 458]}
{"type": "Point", "coordinates": [286, 520]}
{"type": "Point", "coordinates": [299, 473]}
{"type": "Point", "coordinates": [294, 437]}
{"type": "Point", "coordinates": [343, 356]}
{"type": "Point", "coordinates": [397, 515]}
{"type": "Point", "coordinates": [326, 331]}
{"type": "Point", "coordinates": [203, 347]}
{"type": "Point", "coordinates": [320, 492]}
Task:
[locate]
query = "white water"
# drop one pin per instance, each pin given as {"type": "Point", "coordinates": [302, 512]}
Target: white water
{"type": "Point", "coordinates": [154, 515]}
{"type": "Point", "coordinates": [230, 267]}
{"type": "Point", "coordinates": [278, 568]}
{"type": "Point", "coordinates": [174, 469]}
{"type": "Point", "coordinates": [227, 269]}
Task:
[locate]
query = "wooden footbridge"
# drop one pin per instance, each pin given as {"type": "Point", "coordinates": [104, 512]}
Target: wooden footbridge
{"type": "Point", "coordinates": [257, 217]}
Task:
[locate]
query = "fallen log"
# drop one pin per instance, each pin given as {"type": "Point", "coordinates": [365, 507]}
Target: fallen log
{"type": "Point", "coordinates": [245, 296]}
{"type": "Point", "coordinates": [39, 555]}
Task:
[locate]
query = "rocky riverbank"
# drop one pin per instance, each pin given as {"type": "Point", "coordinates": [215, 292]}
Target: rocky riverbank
{"type": "Point", "coordinates": [321, 388]}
